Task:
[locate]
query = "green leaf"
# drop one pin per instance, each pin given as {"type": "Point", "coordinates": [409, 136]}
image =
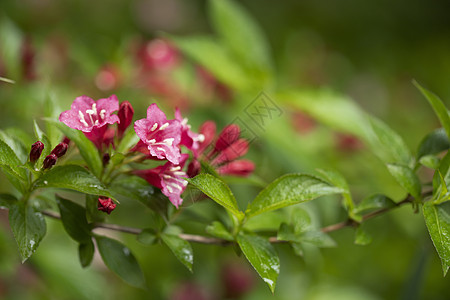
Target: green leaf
{"type": "Point", "coordinates": [72, 177]}
{"type": "Point", "coordinates": [289, 190]}
{"type": "Point", "coordinates": [241, 34]}
{"type": "Point", "coordinates": [377, 201]}
{"type": "Point", "coordinates": [218, 191]}
{"type": "Point", "coordinates": [387, 144]}
{"type": "Point", "coordinates": [218, 230]}
{"type": "Point", "coordinates": [22, 152]}
{"type": "Point", "coordinates": [129, 139]}
{"type": "Point", "coordinates": [300, 219]}
{"type": "Point", "coordinates": [136, 188]}
{"type": "Point", "coordinates": [7, 201]}
{"type": "Point", "coordinates": [87, 149]}
{"type": "Point", "coordinates": [437, 219]}
{"type": "Point", "coordinates": [444, 169]}
{"type": "Point", "coordinates": [407, 179]}
{"type": "Point", "coordinates": [10, 159]}
{"type": "Point", "coordinates": [430, 161]}
{"type": "Point", "coordinates": [339, 181]}
{"type": "Point", "coordinates": [433, 143]}
{"type": "Point", "coordinates": [438, 107]}
{"type": "Point", "coordinates": [318, 238]}
{"type": "Point", "coordinates": [180, 248]}
{"type": "Point", "coordinates": [28, 227]}
{"type": "Point", "coordinates": [216, 59]}
{"type": "Point", "coordinates": [362, 238]}
{"type": "Point", "coordinates": [262, 256]}
{"type": "Point", "coordinates": [86, 253]}
{"type": "Point", "coordinates": [73, 217]}
{"type": "Point", "coordinates": [119, 259]}
{"type": "Point", "coordinates": [147, 237]}
{"type": "Point", "coordinates": [92, 212]}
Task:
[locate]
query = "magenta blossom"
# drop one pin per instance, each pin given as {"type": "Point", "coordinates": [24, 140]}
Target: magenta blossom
{"type": "Point", "coordinates": [161, 136]}
{"type": "Point", "coordinates": [169, 178]}
{"type": "Point", "coordinates": [189, 138]}
{"type": "Point", "coordinates": [91, 117]}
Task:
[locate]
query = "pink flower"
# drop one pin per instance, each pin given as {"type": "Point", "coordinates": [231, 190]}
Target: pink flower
{"type": "Point", "coordinates": [189, 138]}
{"type": "Point", "coordinates": [168, 178]}
{"type": "Point", "coordinates": [91, 117]}
{"type": "Point", "coordinates": [161, 136]}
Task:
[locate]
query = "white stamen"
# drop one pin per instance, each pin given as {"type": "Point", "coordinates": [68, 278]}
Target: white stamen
{"type": "Point", "coordinates": [152, 141]}
{"type": "Point", "coordinates": [161, 149]}
{"type": "Point", "coordinates": [169, 141]}
{"type": "Point", "coordinates": [179, 173]}
{"type": "Point", "coordinates": [154, 127]}
{"type": "Point", "coordinates": [175, 168]}
{"type": "Point", "coordinates": [169, 189]}
{"type": "Point", "coordinates": [176, 186]}
{"type": "Point", "coordinates": [164, 126]}
{"type": "Point", "coordinates": [92, 111]}
{"type": "Point", "coordinates": [184, 183]}
{"type": "Point", "coordinates": [167, 176]}
{"type": "Point", "coordinates": [82, 120]}
{"type": "Point", "coordinates": [200, 138]}
{"type": "Point", "coordinates": [102, 114]}
{"type": "Point", "coordinates": [96, 122]}
{"type": "Point", "coordinates": [184, 122]}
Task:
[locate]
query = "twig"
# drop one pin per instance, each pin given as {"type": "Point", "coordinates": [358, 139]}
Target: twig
{"type": "Point", "coordinates": [222, 242]}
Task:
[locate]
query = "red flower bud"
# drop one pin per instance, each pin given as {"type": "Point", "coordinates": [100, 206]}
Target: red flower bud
{"type": "Point", "coordinates": [125, 114]}
{"type": "Point", "coordinates": [36, 151]}
{"type": "Point", "coordinates": [228, 136]}
{"type": "Point", "coordinates": [106, 205]}
{"type": "Point", "coordinates": [237, 149]}
{"type": "Point", "coordinates": [60, 149]}
{"type": "Point", "coordinates": [240, 167]}
{"type": "Point", "coordinates": [50, 160]}
{"type": "Point", "coordinates": [208, 129]}
{"type": "Point", "coordinates": [194, 168]}
{"type": "Point", "coordinates": [106, 159]}
{"type": "Point", "coordinates": [66, 140]}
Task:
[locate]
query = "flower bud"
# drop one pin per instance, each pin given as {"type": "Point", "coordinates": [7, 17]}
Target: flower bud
{"type": "Point", "coordinates": [194, 168]}
{"type": "Point", "coordinates": [50, 160]}
{"type": "Point", "coordinates": [228, 136]}
{"type": "Point", "coordinates": [125, 114]}
{"type": "Point", "coordinates": [106, 158]}
{"type": "Point", "coordinates": [36, 151]}
{"type": "Point", "coordinates": [106, 205]}
{"type": "Point", "coordinates": [240, 167]}
{"type": "Point", "coordinates": [66, 140]}
{"type": "Point", "coordinates": [60, 149]}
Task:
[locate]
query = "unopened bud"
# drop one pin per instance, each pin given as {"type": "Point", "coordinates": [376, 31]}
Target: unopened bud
{"type": "Point", "coordinates": [36, 151]}
{"type": "Point", "coordinates": [194, 168]}
{"type": "Point", "coordinates": [125, 114]}
{"type": "Point", "coordinates": [60, 149]}
{"type": "Point", "coordinates": [106, 205]}
{"type": "Point", "coordinates": [66, 140]}
{"type": "Point", "coordinates": [228, 136]}
{"type": "Point", "coordinates": [50, 161]}
{"type": "Point", "coordinates": [106, 158]}
{"type": "Point", "coordinates": [240, 167]}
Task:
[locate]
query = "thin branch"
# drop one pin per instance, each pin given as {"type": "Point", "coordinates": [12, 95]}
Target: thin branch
{"type": "Point", "coordinates": [222, 242]}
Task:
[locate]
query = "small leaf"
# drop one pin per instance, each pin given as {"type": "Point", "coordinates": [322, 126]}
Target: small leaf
{"type": "Point", "coordinates": [444, 170]}
{"type": "Point", "coordinates": [288, 233]}
{"type": "Point", "coordinates": [262, 256]}
{"type": "Point", "coordinates": [21, 150]}
{"type": "Point", "coordinates": [289, 190]}
{"type": "Point", "coordinates": [377, 201]}
{"type": "Point", "coordinates": [362, 238]}
{"type": "Point", "coordinates": [438, 107]}
{"type": "Point", "coordinates": [218, 191]}
{"type": "Point", "coordinates": [218, 230]}
{"type": "Point", "coordinates": [442, 194]}
{"type": "Point", "coordinates": [10, 159]}
{"type": "Point", "coordinates": [300, 219]}
{"type": "Point", "coordinates": [119, 259]}
{"type": "Point", "coordinates": [147, 237]}
{"type": "Point", "coordinates": [437, 219]}
{"type": "Point", "coordinates": [73, 217]}
{"type": "Point", "coordinates": [407, 179]}
{"type": "Point", "coordinates": [430, 161]}
{"type": "Point", "coordinates": [317, 238]}
{"type": "Point", "coordinates": [339, 181]}
{"type": "Point", "coordinates": [86, 253]}
{"type": "Point", "coordinates": [87, 149]}
{"type": "Point", "coordinates": [180, 248]}
{"type": "Point", "coordinates": [28, 227]}
{"type": "Point", "coordinates": [72, 177]}
{"type": "Point", "coordinates": [433, 143]}
{"type": "Point", "coordinates": [129, 140]}
{"type": "Point", "coordinates": [136, 188]}
{"type": "Point", "coordinates": [7, 201]}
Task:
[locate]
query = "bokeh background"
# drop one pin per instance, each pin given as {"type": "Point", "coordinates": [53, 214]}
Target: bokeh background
{"type": "Point", "coordinates": [367, 51]}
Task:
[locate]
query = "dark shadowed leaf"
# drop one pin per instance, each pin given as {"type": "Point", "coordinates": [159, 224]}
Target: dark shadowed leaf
{"type": "Point", "coordinates": [74, 220]}
{"type": "Point", "coordinates": [86, 253]}
{"type": "Point", "coordinates": [433, 143]}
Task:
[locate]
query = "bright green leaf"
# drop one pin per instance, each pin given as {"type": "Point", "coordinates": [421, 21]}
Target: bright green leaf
{"type": "Point", "coordinates": [438, 107]}
{"type": "Point", "coordinates": [10, 159]}
{"type": "Point", "coordinates": [339, 181]}
{"type": "Point", "coordinates": [433, 143]}
{"type": "Point", "coordinates": [362, 238]}
{"type": "Point", "coordinates": [218, 230]}
{"type": "Point", "coordinates": [119, 259]}
{"type": "Point", "coordinates": [289, 190]}
{"type": "Point", "coordinates": [180, 248]}
{"type": "Point", "coordinates": [86, 253]}
{"type": "Point", "coordinates": [407, 179]}
{"type": "Point", "coordinates": [377, 201]}
{"type": "Point", "coordinates": [28, 227]}
{"type": "Point", "coordinates": [129, 139]}
{"type": "Point", "coordinates": [262, 256]}
{"type": "Point", "coordinates": [72, 177]}
{"type": "Point", "coordinates": [7, 201]}
{"type": "Point", "coordinates": [22, 152]}
{"type": "Point", "coordinates": [218, 191]}
{"type": "Point", "coordinates": [73, 217]}
{"type": "Point", "coordinates": [430, 161]}
{"type": "Point", "coordinates": [87, 149]}
{"type": "Point", "coordinates": [437, 219]}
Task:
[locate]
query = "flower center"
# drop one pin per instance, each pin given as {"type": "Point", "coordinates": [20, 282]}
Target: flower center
{"type": "Point", "coordinates": [91, 117]}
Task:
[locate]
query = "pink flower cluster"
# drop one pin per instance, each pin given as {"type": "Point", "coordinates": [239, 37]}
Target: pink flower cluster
{"type": "Point", "coordinates": [160, 139]}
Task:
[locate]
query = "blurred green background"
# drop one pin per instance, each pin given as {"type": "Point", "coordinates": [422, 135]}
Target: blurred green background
{"type": "Point", "coordinates": [369, 51]}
